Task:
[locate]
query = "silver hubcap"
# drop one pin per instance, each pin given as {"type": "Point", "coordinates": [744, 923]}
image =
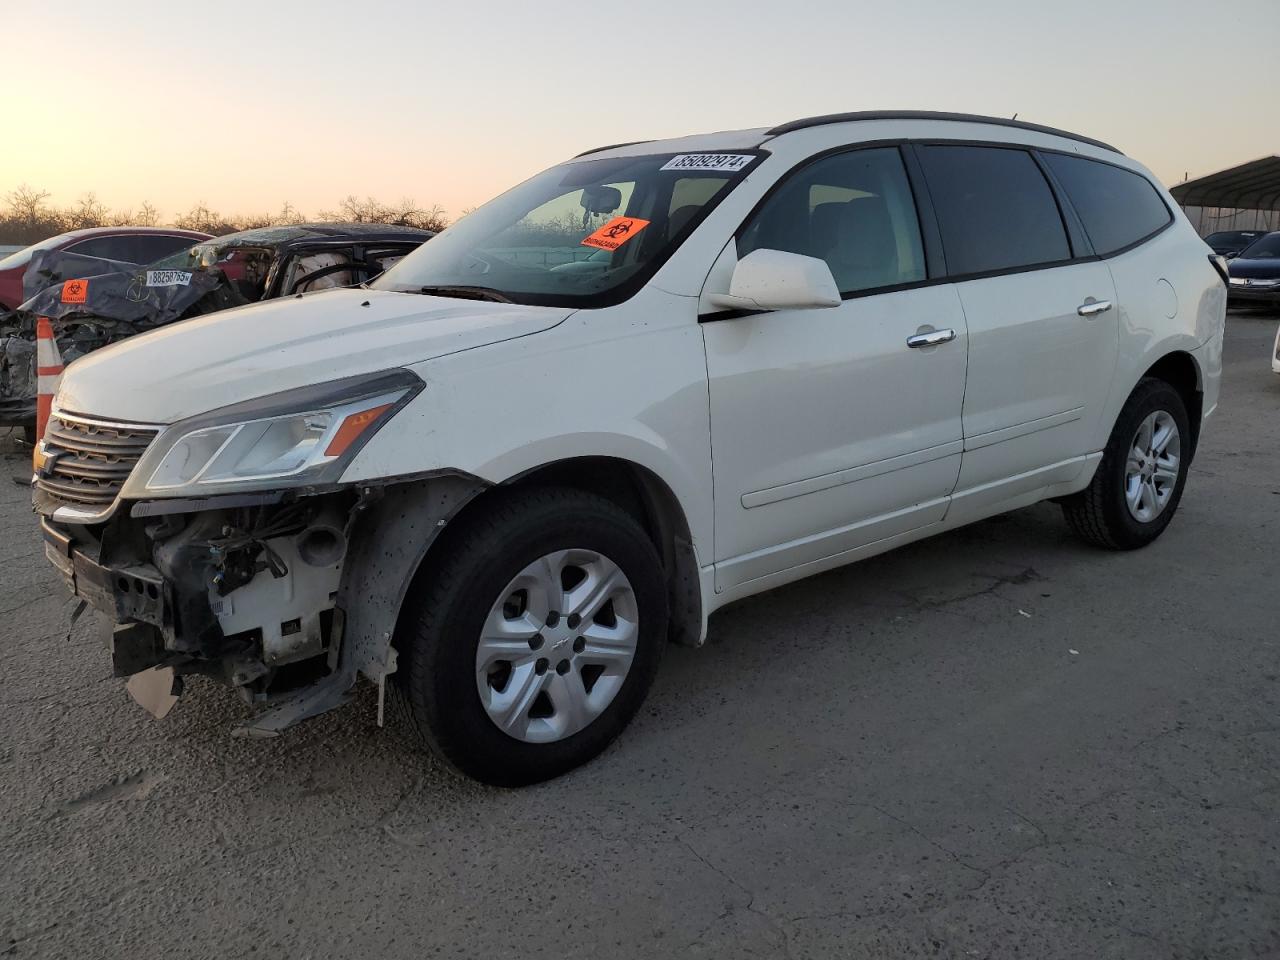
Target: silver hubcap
{"type": "Point", "coordinates": [557, 645]}
{"type": "Point", "coordinates": [1151, 472]}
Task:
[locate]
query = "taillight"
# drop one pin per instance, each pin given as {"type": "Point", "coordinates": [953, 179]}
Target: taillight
{"type": "Point", "coordinates": [1220, 264]}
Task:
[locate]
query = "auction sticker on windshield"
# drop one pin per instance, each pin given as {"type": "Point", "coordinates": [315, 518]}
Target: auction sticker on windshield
{"type": "Point", "coordinates": [615, 233]}
{"type": "Point", "coordinates": [168, 278]}
{"type": "Point", "coordinates": [732, 162]}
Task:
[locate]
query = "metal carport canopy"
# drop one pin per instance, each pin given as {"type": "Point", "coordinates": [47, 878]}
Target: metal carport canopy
{"type": "Point", "coordinates": [1251, 186]}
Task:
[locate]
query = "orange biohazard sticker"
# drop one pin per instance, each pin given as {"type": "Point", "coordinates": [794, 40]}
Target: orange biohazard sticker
{"type": "Point", "coordinates": [615, 233]}
{"type": "Point", "coordinates": [75, 291]}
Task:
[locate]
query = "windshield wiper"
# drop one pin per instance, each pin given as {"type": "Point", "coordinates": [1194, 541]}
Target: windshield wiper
{"type": "Point", "coordinates": [467, 293]}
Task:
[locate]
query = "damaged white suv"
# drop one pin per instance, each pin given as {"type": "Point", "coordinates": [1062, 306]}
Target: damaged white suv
{"type": "Point", "coordinates": [641, 385]}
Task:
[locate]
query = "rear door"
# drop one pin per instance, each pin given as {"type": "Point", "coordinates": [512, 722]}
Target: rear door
{"type": "Point", "coordinates": [1042, 321]}
{"type": "Point", "coordinates": [828, 430]}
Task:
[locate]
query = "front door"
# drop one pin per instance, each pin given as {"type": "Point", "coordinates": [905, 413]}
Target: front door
{"type": "Point", "coordinates": [828, 430]}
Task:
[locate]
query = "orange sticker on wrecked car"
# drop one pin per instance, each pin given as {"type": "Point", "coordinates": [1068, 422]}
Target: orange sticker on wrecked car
{"type": "Point", "coordinates": [615, 233]}
{"type": "Point", "coordinates": [75, 291]}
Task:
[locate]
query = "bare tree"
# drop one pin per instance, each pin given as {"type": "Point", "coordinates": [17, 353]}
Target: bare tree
{"type": "Point", "coordinates": [148, 216]}
{"type": "Point", "coordinates": [27, 217]}
{"type": "Point", "coordinates": [196, 218]}
{"type": "Point", "coordinates": [406, 213]}
{"type": "Point", "coordinates": [200, 217]}
{"type": "Point", "coordinates": [289, 215]}
{"type": "Point", "coordinates": [89, 211]}
{"type": "Point", "coordinates": [27, 204]}
{"type": "Point", "coordinates": [431, 219]}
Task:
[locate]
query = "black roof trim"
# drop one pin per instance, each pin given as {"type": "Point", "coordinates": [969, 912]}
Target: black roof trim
{"type": "Point", "coordinates": [612, 146]}
{"type": "Point", "coordinates": [932, 115]}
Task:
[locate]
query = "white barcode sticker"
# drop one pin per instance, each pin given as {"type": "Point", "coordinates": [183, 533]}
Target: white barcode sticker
{"type": "Point", "coordinates": [168, 278]}
{"type": "Point", "coordinates": [731, 162]}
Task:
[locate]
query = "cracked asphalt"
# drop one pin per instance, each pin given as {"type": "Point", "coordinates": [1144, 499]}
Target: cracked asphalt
{"type": "Point", "coordinates": [998, 743]}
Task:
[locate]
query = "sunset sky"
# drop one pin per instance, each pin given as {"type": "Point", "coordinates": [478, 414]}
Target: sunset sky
{"type": "Point", "coordinates": [244, 107]}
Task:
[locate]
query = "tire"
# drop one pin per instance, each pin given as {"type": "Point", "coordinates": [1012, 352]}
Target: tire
{"type": "Point", "coordinates": [459, 592]}
{"type": "Point", "coordinates": [29, 434]}
{"type": "Point", "coordinates": [1101, 513]}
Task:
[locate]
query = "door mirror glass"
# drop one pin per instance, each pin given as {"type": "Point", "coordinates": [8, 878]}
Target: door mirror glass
{"type": "Point", "coordinates": [777, 280]}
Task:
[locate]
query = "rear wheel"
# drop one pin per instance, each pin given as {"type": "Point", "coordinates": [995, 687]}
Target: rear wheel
{"type": "Point", "coordinates": [1138, 484]}
{"type": "Point", "coordinates": [536, 635]}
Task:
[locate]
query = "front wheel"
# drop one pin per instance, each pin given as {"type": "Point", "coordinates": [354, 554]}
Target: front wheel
{"type": "Point", "coordinates": [535, 636]}
{"type": "Point", "coordinates": [1137, 486]}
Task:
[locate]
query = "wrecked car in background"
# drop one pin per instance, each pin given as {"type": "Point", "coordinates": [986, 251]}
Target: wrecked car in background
{"type": "Point", "coordinates": [125, 244]}
{"type": "Point", "coordinates": [93, 301]}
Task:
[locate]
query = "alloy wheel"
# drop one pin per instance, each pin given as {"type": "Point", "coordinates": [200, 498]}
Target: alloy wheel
{"type": "Point", "coordinates": [1152, 467]}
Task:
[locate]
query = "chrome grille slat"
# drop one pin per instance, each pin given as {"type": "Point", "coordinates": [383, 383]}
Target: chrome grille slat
{"type": "Point", "coordinates": [94, 445]}
{"type": "Point", "coordinates": [91, 470]}
{"type": "Point", "coordinates": [77, 492]}
{"type": "Point", "coordinates": [89, 460]}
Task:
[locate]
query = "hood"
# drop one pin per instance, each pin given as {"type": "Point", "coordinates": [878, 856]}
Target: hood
{"type": "Point", "coordinates": [1263, 268]}
{"type": "Point", "coordinates": [209, 362]}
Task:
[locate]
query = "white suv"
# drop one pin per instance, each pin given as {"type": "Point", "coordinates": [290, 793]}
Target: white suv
{"type": "Point", "coordinates": [641, 385]}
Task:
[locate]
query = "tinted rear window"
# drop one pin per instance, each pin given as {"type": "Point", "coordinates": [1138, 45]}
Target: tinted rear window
{"type": "Point", "coordinates": [1118, 207]}
{"type": "Point", "coordinates": [149, 247]}
{"type": "Point", "coordinates": [994, 207]}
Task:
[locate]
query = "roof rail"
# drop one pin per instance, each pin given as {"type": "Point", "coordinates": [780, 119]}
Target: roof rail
{"type": "Point", "coordinates": [931, 115]}
{"type": "Point", "coordinates": [612, 146]}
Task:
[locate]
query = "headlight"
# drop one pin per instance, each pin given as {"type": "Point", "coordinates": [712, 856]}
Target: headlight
{"type": "Point", "coordinates": [297, 438]}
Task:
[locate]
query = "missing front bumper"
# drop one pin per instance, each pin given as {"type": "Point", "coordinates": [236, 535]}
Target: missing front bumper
{"type": "Point", "coordinates": [130, 594]}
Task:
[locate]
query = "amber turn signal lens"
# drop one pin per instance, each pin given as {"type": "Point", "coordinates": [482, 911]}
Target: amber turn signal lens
{"type": "Point", "coordinates": [354, 425]}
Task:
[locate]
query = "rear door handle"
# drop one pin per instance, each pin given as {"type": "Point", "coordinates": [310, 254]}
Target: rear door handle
{"type": "Point", "coordinates": [1092, 307]}
{"type": "Point", "coordinates": [931, 338]}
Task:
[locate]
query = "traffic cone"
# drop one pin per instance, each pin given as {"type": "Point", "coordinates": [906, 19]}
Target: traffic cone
{"type": "Point", "coordinates": [48, 373]}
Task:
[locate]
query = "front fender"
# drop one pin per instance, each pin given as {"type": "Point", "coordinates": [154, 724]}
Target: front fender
{"type": "Point", "coordinates": [390, 531]}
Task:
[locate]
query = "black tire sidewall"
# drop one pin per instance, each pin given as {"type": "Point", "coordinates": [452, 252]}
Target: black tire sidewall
{"type": "Point", "coordinates": [442, 668]}
{"type": "Point", "coordinates": [1150, 396]}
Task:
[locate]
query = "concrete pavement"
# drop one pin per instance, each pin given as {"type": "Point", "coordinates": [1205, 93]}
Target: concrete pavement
{"type": "Point", "coordinates": [998, 743]}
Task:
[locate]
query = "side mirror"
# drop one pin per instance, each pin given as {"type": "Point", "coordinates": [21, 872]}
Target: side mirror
{"type": "Point", "coordinates": [775, 280]}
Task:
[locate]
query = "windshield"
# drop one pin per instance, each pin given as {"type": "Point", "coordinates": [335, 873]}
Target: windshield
{"type": "Point", "coordinates": [585, 233]}
{"type": "Point", "coordinates": [23, 256]}
{"type": "Point", "coordinates": [1268, 247]}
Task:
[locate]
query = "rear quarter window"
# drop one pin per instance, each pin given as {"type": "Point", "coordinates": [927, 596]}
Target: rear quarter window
{"type": "Point", "coordinates": [1117, 207]}
{"type": "Point", "coordinates": [995, 209]}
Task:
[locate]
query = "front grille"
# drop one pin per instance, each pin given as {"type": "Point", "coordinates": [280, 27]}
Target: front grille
{"type": "Point", "coordinates": [87, 461]}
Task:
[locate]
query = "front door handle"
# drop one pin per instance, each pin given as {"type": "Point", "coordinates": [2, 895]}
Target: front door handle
{"type": "Point", "coordinates": [1092, 307]}
{"type": "Point", "coordinates": [931, 338]}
